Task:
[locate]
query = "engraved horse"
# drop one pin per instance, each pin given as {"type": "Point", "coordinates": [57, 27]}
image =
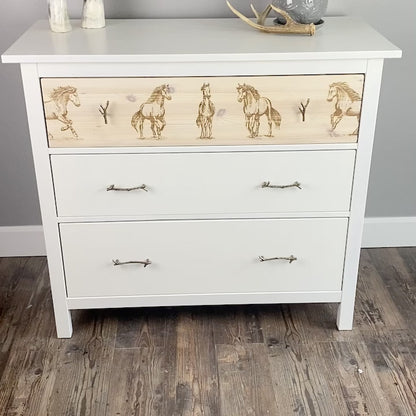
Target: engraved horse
{"type": "Point", "coordinates": [154, 111]}
{"type": "Point", "coordinates": [206, 111]}
{"type": "Point", "coordinates": [254, 106]}
{"type": "Point", "coordinates": [56, 108]}
{"type": "Point", "coordinates": [347, 103]}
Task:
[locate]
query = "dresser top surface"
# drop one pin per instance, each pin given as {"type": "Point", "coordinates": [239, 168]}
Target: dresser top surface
{"type": "Point", "coordinates": [188, 40]}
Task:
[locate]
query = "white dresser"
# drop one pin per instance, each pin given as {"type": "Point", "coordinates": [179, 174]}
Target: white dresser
{"type": "Point", "coordinates": [195, 162]}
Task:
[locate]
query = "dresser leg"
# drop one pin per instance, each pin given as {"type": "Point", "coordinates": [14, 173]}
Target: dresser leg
{"type": "Point", "coordinates": [345, 316]}
{"type": "Point", "coordinates": [63, 323]}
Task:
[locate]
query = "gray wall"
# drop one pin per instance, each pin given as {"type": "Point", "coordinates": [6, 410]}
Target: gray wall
{"type": "Point", "coordinates": [392, 183]}
{"type": "Point", "coordinates": [392, 188]}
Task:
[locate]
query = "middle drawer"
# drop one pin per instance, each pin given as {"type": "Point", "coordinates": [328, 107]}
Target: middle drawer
{"type": "Point", "coordinates": [174, 184]}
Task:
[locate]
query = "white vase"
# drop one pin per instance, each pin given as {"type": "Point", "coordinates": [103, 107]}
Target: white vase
{"type": "Point", "coordinates": [58, 16]}
{"type": "Point", "coordinates": [93, 16]}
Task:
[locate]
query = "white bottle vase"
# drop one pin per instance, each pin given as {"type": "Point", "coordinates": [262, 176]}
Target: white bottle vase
{"type": "Point", "coordinates": [58, 16]}
{"type": "Point", "coordinates": [93, 16]}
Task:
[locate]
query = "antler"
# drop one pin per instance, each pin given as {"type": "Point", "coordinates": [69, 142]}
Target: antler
{"type": "Point", "coordinates": [291, 25]}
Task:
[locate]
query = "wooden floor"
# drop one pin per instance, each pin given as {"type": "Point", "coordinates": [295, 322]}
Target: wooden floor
{"type": "Point", "coordinates": [204, 361]}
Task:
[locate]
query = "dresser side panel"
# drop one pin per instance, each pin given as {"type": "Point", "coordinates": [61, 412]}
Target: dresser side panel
{"type": "Point", "coordinates": [46, 196]}
{"type": "Point", "coordinates": [359, 192]}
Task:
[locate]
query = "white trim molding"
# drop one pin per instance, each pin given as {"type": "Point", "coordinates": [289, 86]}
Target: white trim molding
{"type": "Point", "coordinates": [22, 241]}
{"type": "Point", "coordinates": [389, 232]}
{"type": "Point", "coordinates": [28, 240]}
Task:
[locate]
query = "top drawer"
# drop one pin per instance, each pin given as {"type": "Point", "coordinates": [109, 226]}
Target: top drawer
{"type": "Point", "coordinates": [182, 111]}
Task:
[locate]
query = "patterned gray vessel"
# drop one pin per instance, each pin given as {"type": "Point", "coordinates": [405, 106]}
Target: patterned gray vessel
{"type": "Point", "coordinates": [303, 11]}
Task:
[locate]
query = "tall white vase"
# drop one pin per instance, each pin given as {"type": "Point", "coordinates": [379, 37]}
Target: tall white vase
{"type": "Point", "coordinates": [58, 16]}
{"type": "Point", "coordinates": [93, 16]}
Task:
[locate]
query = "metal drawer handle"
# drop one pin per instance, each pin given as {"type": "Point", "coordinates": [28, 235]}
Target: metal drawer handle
{"type": "Point", "coordinates": [293, 185]}
{"type": "Point", "coordinates": [290, 259]}
{"type": "Point", "coordinates": [145, 263]}
{"type": "Point", "coordinates": [141, 187]}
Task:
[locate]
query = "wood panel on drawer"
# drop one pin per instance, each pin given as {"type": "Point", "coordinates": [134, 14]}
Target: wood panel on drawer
{"type": "Point", "coordinates": [202, 183]}
{"type": "Point", "coordinates": [212, 256]}
{"type": "Point", "coordinates": [97, 112]}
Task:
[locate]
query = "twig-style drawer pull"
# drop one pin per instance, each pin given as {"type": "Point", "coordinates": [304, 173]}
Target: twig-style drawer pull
{"type": "Point", "coordinates": [145, 263]}
{"type": "Point", "coordinates": [290, 259]}
{"type": "Point", "coordinates": [115, 188]}
{"type": "Point", "coordinates": [292, 185]}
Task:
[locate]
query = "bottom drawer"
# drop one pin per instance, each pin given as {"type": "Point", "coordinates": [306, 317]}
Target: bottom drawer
{"type": "Point", "coordinates": [198, 257]}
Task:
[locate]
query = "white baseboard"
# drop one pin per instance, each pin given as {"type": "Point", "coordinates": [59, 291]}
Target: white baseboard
{"type": "Point", "coordinates": [22, 241]}
{"type": "Point", "coordinates": [389, 232]}
{"type": "Point", "coordinates": [378, 232]}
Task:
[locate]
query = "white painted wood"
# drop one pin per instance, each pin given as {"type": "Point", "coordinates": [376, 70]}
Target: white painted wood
{"type": "Point", "coordinates": [244, 215]}
{"type": "Point", "coordinates": [197, 149]}
{"type": "Point", "coordinates": [203, 183]}
{"type": "Point", "coordinates": [212, 256]}
{"type": "Point", "coordinates": [204, 68]}
{"type": "Point", "coordinates": [206, 40]}
{"type": "Point", "coordinates": [389, 232]}
{"type": "Point", "coordinates": [22, 241]}
{"type": "Point", "coordinates": [34, 110]}
{"type": "Point", "coordinates": [359, 193]}
{"type": "Point", "coordinates": [203, 299]}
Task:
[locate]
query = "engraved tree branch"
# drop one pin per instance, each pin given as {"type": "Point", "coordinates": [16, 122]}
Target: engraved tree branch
{"type": "Point", "coordinates": [103, 111]}
{"type": "Point", "coordinates": [302, 108]}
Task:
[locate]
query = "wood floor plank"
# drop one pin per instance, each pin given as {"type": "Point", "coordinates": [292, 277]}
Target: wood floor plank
{"type": "Point", "coordinates": [136, 387]}
{"type": "Point", "coordinates": [352, 379]}
{"type": "Point", "coordinates": [394, 357]}
{"type": "Point", "coordinates": [35, 382]}
{"type": "Point", "coordinates": [375, 306]}
{"type": "Point", "coordinates": [300, 383]}
{"type": "Point", "coordinates": [27, 381]}
{"type": "Point", "coordinates": [84, 371]}
{"type": "Point", "coordinates": [21, 281]}
{"type": "Point", "coordinates": [327, 378]}
{"type": "Point", "coordinates": [236, 324]}
{"type": "Point", "coordinates": [4, 359]}
{"type": "Point", "coordinates": [234, 378]}
{"type": "Point", "coordinates": [357, 374]}
{"type": "Point", "coordinates": [144, 327]}
{"type": "Point", "coordinates": [143, 381]}
{"type": "Point", "coordinates": [301, 323]}
{"type": "Point", "coordinates": [27, 332]}
{"type": "Point", "coordinates": [283, 325]}
{"type": "Point", "coordinates": [408, 254]}
{"type": "Point", "coordinates": [245, 381]}
{"type": "Point", "coordinates": [196, 366]}
{"type": "Point", "coordinates": [396, 279]}
{"type": "Point", "coordinates": [19, 272]}
{"type": "Point", "coordinates": [9, 380]}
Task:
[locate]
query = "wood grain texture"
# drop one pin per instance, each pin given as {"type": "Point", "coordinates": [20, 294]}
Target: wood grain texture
{"type": "Point", "coordinates": [87, 361]}
{"type": "Point", "coordinates": [217, 360]}
{"type": "Point", "coordinates": [245, 380]}
{"type": "Point", "coordinates": [137, 384]}
{"type": "Point", "coordinates": [394, 358]}
{"type": "Point", "coordinates": [138, 114]}
{"type": "Point", "coordinates": [196, 378]}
